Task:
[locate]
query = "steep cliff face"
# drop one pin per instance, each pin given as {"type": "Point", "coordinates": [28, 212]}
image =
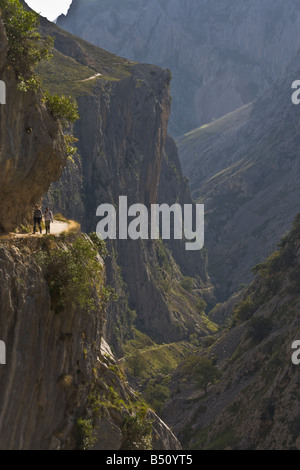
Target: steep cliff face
{"type": "Point", "coordinates": [122, 140]}
{"type": "Point", "coordinates": [174, 187]}
{"type": "Point", "coordinates": [66, 196]}
{"type": "Point", "coordinates": [122, 134]}
{"type": "Point", "coordinates": [254, 401]}
{"type": "Point", "coordinates": [221, 54]}
{"type": "Point", "coordinates": [61, 386]}
{"type": "Point", "coordinates": [30, 142]}
{"type": "Point", "coordinates": [45, 382]}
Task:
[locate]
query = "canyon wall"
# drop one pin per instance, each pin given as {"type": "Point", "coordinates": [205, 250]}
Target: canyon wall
{"type": "Point", "coordinates": [125, 151]}
{"type": "Point", "coordinates": [30, 142]}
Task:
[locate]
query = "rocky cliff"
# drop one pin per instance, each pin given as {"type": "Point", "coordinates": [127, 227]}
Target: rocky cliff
{"type": "Point", "coordinates": [251, 399]}
{"type": "Point", "coordinates": [61, 386]}
{"type": "Point", "coordinates": [245, 168]}
{"type": "Point", "coordinates": [221, 54]}
{"type": "Point", "coordinates": [31, 140]}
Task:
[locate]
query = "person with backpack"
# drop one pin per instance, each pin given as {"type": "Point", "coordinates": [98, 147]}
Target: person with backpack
{"type": "Point", "coordinates": [37, 218]}
{"type": "Point", "coordinates": [48, 219]}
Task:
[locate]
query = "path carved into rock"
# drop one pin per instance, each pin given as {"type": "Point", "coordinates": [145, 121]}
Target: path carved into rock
{"type": "Point", "coordinates": [56, 228]}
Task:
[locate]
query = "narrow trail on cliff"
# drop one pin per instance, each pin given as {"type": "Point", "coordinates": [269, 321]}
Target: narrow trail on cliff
{"type": "Point", "coordinates": [91, 78]}
{"type": "Point", "coordinates": [56, 228]}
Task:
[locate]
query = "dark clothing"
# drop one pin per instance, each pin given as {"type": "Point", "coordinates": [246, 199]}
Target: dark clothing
{"type": "Point", "coordinates": [37, 220]}
{"type": "Point", "coordinates": [37, 214]}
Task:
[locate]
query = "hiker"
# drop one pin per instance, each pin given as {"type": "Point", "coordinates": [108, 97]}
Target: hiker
{"type": "Point", "coordinates": [48, 219]}
{"type": "Point", "coordinates": [37, 218]}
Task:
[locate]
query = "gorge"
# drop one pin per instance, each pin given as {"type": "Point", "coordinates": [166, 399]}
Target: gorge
{"type": "Point", "coordinates": [142, 344]}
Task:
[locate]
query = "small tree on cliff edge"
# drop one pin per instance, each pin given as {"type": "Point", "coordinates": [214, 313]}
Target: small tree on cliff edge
{"type": "Point", "coordinates": [26, 49]}
{"type": "Point", "coordinates": [26, 45]}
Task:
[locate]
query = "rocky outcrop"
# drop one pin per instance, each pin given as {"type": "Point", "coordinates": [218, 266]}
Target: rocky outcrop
{"type": "Point", "coordinates": [45, 380]}
{"type": "Point", "coordinates": [222, 55]}
{"type": "Point", "coordinates": [174, 187]}
{"type": "Point", "coordinates": [123, 156]}
{"type": "Point", "coordinates": [60, 375]}
{"type": "Point", "coordinates": [30, 142]}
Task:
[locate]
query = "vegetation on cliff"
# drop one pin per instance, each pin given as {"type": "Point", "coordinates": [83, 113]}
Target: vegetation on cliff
{"type": "Point", "coordinates": [28, 48]}
{"type": "Point", "coordinates": [75, 275]}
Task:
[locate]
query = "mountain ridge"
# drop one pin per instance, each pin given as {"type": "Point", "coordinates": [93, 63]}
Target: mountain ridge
{"type": "Point", "coordinates": [244, 167]}
{"type": "Point", "coordinates": [221, 55]}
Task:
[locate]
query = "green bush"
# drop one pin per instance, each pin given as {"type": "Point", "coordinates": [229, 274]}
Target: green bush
{"type": "Point", "coordinates": [163, 256]}
{"type": "Point", "coordinates": [62, 108]}
{"type": "Point", "coordinates": [201, 306]}
{"type": "Point", "coordinates": [187, 283]}
{"type": "Point", "coordinates": [65, 110]}
{"type": "Point", "coordinates": [274, 268]}
{"type": "Point", "coordinates": [270, 266]}
{"type": "Point", "coordinates": [194, 339]}
{"type": "Point", "coordinates": [75, 276]}
{"type": "Point", "coordinates": [157, 395]}
{"type": "Point", "coordinates": [100, 244]}
{"type": "Point", "coordinates": [69, 145]}
{"type": "Point", "coordinates": [86, 434]}
{"type": "Point", "coordinates": [244, 310]}
{"type": "Point", "coordinates": [137, 431]}
{"type": "Point", "coordinates": [136, 364]}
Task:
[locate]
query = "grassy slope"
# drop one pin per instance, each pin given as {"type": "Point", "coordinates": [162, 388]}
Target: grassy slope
{"type": "Point", "coordinates": [74, 60]}
{"type": "Point", "coordinates": [157, 359]}
{"type": "Point", "coordinates": [200, 161]}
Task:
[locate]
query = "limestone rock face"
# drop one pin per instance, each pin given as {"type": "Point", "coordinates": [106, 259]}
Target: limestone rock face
{"type": "Point", "coordinates": [122, 136]}
{"type": "Point", "coordinates": [222, 54]}
{"type": "Point", "coordinates": [54, 364]}
{"type": "Point", "coordinates": [38, 404]}
{"type": "Point", "coordinates": [32, 153]}
{"type": "Point", "coordinates": [58, 368]}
